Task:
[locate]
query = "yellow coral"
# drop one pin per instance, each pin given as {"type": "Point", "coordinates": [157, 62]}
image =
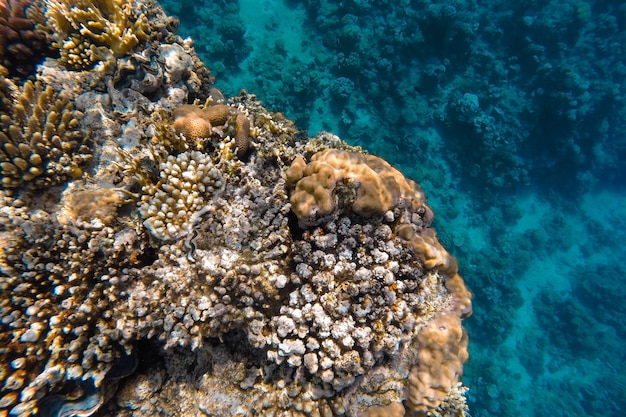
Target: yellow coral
{"type": "Point", "coordinates": [40, 139]}
{"type": "Point", "coordinates": [86, 30]}
{"type": "Point", "coordinates": [379, 186]}
{"type": "Point", "coordinates": [426, 245]}
{"type": "Point", "coordinates": [443, 351]}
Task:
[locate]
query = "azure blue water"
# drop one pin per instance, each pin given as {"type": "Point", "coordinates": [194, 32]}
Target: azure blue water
{"type": "Point", "coordinates": [511, 115]}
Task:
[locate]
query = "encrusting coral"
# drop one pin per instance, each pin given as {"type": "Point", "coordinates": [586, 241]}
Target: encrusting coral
{"type": "Point", "coordinates": [442, 353]}
{"type": "Point", "coordinates": [379, 187]}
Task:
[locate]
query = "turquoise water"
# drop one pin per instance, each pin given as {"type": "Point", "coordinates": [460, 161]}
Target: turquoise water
{"type": "Point", "coordinates": [511, 115]}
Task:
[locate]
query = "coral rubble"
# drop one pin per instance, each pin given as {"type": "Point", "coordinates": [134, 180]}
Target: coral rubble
{"type": "Point", "coordinates": [200, 242]}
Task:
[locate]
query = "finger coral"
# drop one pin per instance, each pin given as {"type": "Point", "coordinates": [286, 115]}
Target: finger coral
{"type": "Point", "coordinates": [40, 141]}
{"type": "Point", "coordinates": [85, 31]}
{"type": "Point", "coordinates": [22, 43]}
{"type": "Point", "coordinates": [188, 181]}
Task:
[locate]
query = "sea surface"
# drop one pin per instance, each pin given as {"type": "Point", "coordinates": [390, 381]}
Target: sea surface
{"type": "Point", "coordinates": [511, 115]}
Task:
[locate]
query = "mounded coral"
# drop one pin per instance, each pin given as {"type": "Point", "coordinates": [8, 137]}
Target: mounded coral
{"type": "Point", "coordinates": [196, 123]}
{"type": "Point", "coordinates": [379, 186]}
{"type": "Point", "coordinates": [442, 353]}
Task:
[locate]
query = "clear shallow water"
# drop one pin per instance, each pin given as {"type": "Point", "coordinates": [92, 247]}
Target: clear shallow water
{"type": "Point", "coordinates": [511, 116]}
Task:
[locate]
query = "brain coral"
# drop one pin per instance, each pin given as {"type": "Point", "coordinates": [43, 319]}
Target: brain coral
{"type": "Point", "coordinates": [378, 186]}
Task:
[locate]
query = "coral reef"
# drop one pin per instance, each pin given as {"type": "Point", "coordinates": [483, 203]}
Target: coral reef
{"type": "Point", "coordinates": [508, 115]}
{"type": "Point", "coordinates": [178, 246]}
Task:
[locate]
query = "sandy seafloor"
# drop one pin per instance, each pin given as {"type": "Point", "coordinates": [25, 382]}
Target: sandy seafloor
{"type": "Point", "coordinates": [544, 256]}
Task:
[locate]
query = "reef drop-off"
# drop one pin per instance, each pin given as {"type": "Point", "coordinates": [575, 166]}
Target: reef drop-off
{"type": "Point", "coordinates": [164, 250]}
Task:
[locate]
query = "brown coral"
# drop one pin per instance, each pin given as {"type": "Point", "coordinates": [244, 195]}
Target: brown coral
{"type": "Point", "coordinates": [22, 43]}
{"type": "Point", "coordinates": [86, 31]}
{"type": "Point", "coordinates": [379, 186]}
{"type": "Point", "coordinates": [40, 140]}
{"type": "Point", "coordinates": [443, 351]}
{"type": "Point", "coordinates": [426, 245]}
{"type": "Point", "coordinates": [196, 124]}
{"type": "Point", "coordinates": [190, 121]}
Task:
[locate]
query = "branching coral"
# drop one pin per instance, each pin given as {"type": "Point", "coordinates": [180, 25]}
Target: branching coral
{"type": "Point", "coordinates": [88, 30]}
{"type": "Point", "coordinates": [22, 42]}
{"type": "Point", "coordinates": [40, 140]}
{"type": "Point", "coordinates": [188, 181]}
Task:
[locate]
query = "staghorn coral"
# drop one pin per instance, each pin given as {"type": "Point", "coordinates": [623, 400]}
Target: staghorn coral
{"type": "Point", "coordinates": [379, 186]}
{"type": "Point", "coordinates": [22, 41]}
{"type": "Point", "coordinates": [40, 141]}
{"type": "Point", "coordinates": [86, 31]}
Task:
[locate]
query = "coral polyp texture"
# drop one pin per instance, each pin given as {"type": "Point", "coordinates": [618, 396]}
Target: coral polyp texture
{"type": "Point", "coordinates": [188, 182]}
{"type": "Point", "coordinates": [196, 125]}
{"type": "Point", "coordinates": [378, 186]}
{"type": "Point", "coordinates": [250, 270]}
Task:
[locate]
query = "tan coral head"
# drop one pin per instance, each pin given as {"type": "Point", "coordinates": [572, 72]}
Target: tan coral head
{"type": "Point", "coordinates": [196, 124]}
{"type": "Point", "coordinates": [379, 186]}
